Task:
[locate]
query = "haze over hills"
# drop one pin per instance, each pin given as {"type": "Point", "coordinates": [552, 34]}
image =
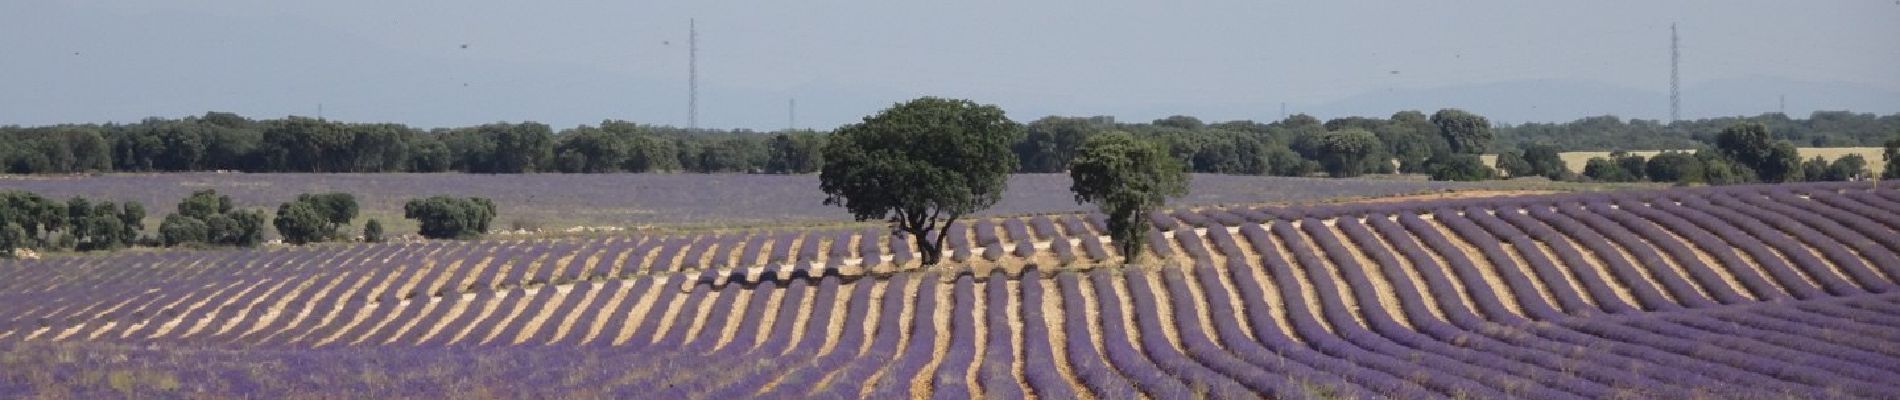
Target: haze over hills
{"type": "Point", "coordinates": [86, 62]}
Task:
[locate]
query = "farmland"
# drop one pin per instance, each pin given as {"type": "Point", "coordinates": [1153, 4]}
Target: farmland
{"type": "Point", "coordinates": [627, 200]}
{"type": "Point", "coordinates": [1724, 292]}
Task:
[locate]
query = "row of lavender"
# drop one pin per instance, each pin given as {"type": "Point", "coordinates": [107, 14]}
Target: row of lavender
{"type": "Point", "coordinates": [1167, 334]}
{"type": "Point", "coordinates": [1853, 233]}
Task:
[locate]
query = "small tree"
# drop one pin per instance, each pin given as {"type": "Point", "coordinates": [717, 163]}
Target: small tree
{"type": "Point", "coordinates": [1127, 178]}
{"type": "Point", "coordinates": [373, 231]}
{"type": "Point", "coordinates": [1467, 133]}
{"type": "Point", "coordinates": [1458, 167]}
{"type": "Point", "coordinates": [178, 229]}
{"type": "Point", "coordinates": [315, 217]}
{"type": "Point", "coordinates": [444, 217]}
{"type": "Point", "coordinates": [921, 164]}
{"type": "Point", "coordinates": [1751, 145]}
{"type": "Point", "coordinates": [1846, 168]}
{"type": "Point", "coordinates": [1544, 160]}
{"type": "Point", "coordinates": [1891, 154]}
{"type": "Point", "coordinates": [1344, 152]}
{"type": "Point", "coordinates": [1674, 166]}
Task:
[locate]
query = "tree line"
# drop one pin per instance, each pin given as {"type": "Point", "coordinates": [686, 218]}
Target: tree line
{"type": "Point", "coordinates": [206, 219]}
{"type": "Point", "coordinates": [1298, 145]}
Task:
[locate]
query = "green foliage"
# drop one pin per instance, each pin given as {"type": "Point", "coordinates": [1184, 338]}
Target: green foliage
{"type": "Point", "coordinates": [1513, 164]}
{"type": "Point", "coordinates": [206, 217]}
{"type": "Point", "coordinates": [1718, 169]}
{"type": "Point", "coordinates": [12, 238]}
{"type": "Point", "coordinates": [1052, 141]}
{"type": "Point", "coordinates": [444, 217]}
{"type": "Point", "coordinates": [373, 231]}
{"type": "Point", "coordinates": [1345, 152]}
{"type": "Point", "coordinates": [203, 204]}
{"type": "Point", "coordinates": [1545, 160]}
{"type": "Point", "coordinates": [921, 164]}
{"type": "Point", "coordinates": [1891, 154]}
{"type": "Point", "coordinates": [1674, 166]}
{"type": "Point", "coordinates": [1466, 133]}
{"type": "Point", "coordinates": [315, 217]}
{"type": "Point", "coordinates": [1458, 167]}
{"type": "Point", "coordinates": [795, 153]}
{"type": "Point", "coordinates": [1127, 178]}
{"type": "Point", "coordinates": [300, 223]}
{"type": "Point", "coordinates": [1751, 146]}
{"type": "Point", "coordinates": [1845, 168]}
{"type": "Point", "coordinates": [179, 229]}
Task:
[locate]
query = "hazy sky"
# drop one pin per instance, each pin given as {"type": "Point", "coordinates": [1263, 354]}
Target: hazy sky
{"type": "Point", "coordinates": [575, 62]}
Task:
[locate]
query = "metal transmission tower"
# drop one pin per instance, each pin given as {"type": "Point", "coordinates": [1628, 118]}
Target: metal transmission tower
{"type": "Point", "coordinates": [1675, 77]}
{"type": "Point", "coordinates": [692, 74]}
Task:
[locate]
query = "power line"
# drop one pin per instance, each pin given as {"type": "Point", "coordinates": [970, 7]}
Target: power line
{"type": "Point", "coordinates": [692, 74]}
{"type": "Point", "coordinates": [1675, 77]}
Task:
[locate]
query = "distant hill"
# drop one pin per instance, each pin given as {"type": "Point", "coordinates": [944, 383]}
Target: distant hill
{"type": "Point", "coordinates": [1567, 100]}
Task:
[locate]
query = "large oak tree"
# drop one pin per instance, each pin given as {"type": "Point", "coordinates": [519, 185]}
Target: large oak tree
{"type": "Point", "coordinates": [921, 164]}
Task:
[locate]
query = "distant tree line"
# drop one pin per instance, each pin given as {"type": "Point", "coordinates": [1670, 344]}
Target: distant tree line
{"type": "Point", "coordinates": [1299, 145]}
{"type": "Point", "coordinates": [1743, 153]}
{"type": "Point", "coordinates": [208, 219]}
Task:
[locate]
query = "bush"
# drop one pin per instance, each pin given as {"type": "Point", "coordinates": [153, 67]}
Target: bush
{"type": "Point", "coordinates": [373, 231]}
{"type": "Point", "coordinates": [444, 217]}
{"type": "Point", "coordinates": [1674, 166]}
{"type": "Point", "coordinates": [179, 229]}
{"type": "Point", "coordinates": [206, 217]}
{"type": "Point", "coordinates": [1458, 167]}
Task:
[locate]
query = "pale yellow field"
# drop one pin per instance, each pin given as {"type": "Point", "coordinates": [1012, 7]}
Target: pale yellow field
{"type": "Point", "coordinates": [1575, 160]}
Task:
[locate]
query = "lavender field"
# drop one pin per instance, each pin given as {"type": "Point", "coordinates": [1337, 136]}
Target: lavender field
{"type": "Point", "coordinates": [555, 200]}
{"type": "Point", "coordinates": [1738, 292]}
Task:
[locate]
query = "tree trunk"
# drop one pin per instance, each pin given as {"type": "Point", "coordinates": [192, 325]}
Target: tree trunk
{"type": "Point", "coordinates": [931, 253]}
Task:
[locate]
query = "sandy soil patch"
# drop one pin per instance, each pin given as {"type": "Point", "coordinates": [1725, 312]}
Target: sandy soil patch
{"type": "Point", "coordinates": [1052, 313]}
{"type": "Point", "coordinates": [1488, 275]}
{"type": "Point", "coordinates": [1381, 289]}
{"type": "Point", "coordinates": [1308, 293]}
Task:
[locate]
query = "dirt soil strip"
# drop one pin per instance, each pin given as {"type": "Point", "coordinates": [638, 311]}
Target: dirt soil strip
{"type": "Point", "coordinates": [275, 293]}
{"type": "Point", "coordinates": [1597, 266]}
{"type": "Point", "coordinates": [1409, 268]}
{"type": "Point", "coordinates": [1012, 311]}
{"type": "Point", "coordinates": [641, 307]}
{"type": "Point", "coordinates": [920, 385]}
{"type": "Point", "coordinates": [1226, 281]}
{"type": "Point", "coordinates": [979, 314]}
{"type": "Point", "coordinates": [1489, 275]}
{"type": "Point", "coordinates": [1673, 264]}
{"type": "Point", "coordinates": [410, 324]}
{"type": "Point", "coordinates": [1381, 289]}
{"type": "Point", "coordinates": [600, 318]}
{"type": "Point", "coordinates": [1569, 274]}
{"type": "Point", "coordinates": [1308, 293]}
{"type": "Point", "coordinates": [702, 316]}
{"type": "Point", "coordinates": [769, 317]}
{"type": "Point", "coordinates": [1524, 268]}
{"type": "Point", "coordinates": [488, 308]}
{"type": "Point", "coordinates": [1052, 311]}
{"type": "Point", "coordinates": [1164, 307]}
{"type": "Point", "coordinates": [567, 322]}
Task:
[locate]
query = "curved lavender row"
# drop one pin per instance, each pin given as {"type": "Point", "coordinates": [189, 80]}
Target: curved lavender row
{"type": "Point", "coordinates": [808, 249]}
{"type": "Point", "coordinates": [1460, 267]}
{"type": "Point", "coordinates": [618, 317]}
{"type": "Point", "coordinates": [960, 247]}
{"type": "Point", "coordinates": [1744, 271]}
{"type": "Point", "coordinates": [1163, 221]}
{"type": "Point", "coordinates": [1193, 219]}
{"type": "Point", "coordinates": [691, 367]}
{"type": "Point", "coordinates": [1158, 243]}
{"type": "Point", "coordinates": [1834, 249]}
{"type": "Point", "coordinates": [1686, 294]}
{"type": "Point", "coordinates": [1019, 233]}
{"type": "Point", "coordinates": [1879, 218]}
{"type": "Point", "coordinates": [1333, 309]}
{"type": "Point", "coordinates": [1539, 266]}
{"type": "Point", "coordinates": [1512, 361]}
{"type": "Point", "coordinates": [1702, 274]}
{"type": "Point", "coordinates": [1814, 268]}
{"type": "Point", "coordinates": [1278, 354]}
{"type": "Point", "coordinates": [1116, 333]}
{"type": "Point", "coordinates": [901, 251]}
{"type": "Point", "coordinates": [895, 380]}
{"type": "Point", "coordinates": [985, 232]}
{"type": "Point", "coordinates": [1835, 331]}
{"type": "Point", "coordinates": [1866, 204]}
{"type": "Point", "coordinates": [1064, 251]}
{"type": "Point", "coordinates": [840, 246]}
{"type": "Point", "coordinates": [1856, 232]}
{"type": "Point", "coordinates": [1205, 351]}
{"type": "Point", "coordinates": [1044, 227]}
{"type": "Point", "coordinates": [849, 374]}
{"type": "Point", "coordinates": [950, 380]}
{"type": "Point", "coordinates": [587, 316]}
{"type": "Point", "coordinates": [1679, 341]}
{"type": "Point", "coordinates": [1319, 338]}
{"type": "Point", "coordinates": [1038, 352]}
{"type": "Point", "coordinates": [996, 378]}
{"type": "Point", "coordinates": [1784, 275]}
{"type": "Point", "coordinates": [870, 251]}
{"type": "Point", "coordinates": [1155, 342]}
{"type": "Point", "coordinates": [773, 361]}
{"type": "Point", "coordinates": [751, 253]}
{"type": "Point", "coordinates": [1564, 341]}
{"type": "Point", "coordinates": [781, 249]}
{"type": "Point", "coordinates": [1089, 365]}
{"type": "Point", "coordinates": [1608, 371]}
{"type": "Point", "coordinates": [846, 353]}
{"type": "Point", "coordinates": [1784, 334]}
{"type": "Point", "coordinates": [1787, 365]}
{"type": "Point", "coordinates": [1574, 260]}
{"type": "Point", "coordinates": [1223, 217]}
